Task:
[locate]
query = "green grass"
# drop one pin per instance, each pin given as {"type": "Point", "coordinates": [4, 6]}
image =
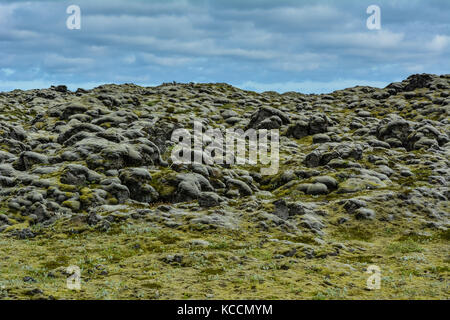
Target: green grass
{"type": "Point", "coordinates": [407, 246]}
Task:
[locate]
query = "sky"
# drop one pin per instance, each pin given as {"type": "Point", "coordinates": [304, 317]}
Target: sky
{"type": "Point", "coordinates": [283, 45]}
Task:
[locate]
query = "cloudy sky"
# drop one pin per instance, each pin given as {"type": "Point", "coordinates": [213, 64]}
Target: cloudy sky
{"type": "Point", "coordinates": [293, 45]}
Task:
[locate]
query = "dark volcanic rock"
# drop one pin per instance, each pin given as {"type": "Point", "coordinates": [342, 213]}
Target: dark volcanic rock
{"type": "Point", "coordinates": [103, 156]}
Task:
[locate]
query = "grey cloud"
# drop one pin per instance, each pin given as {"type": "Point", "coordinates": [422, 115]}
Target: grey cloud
{"type": "Point", "coordinates": [253, 42]}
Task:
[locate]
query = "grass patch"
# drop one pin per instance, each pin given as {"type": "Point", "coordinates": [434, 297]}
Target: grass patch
{"type": "Point", "coordinates": [407, 246]}
{"type": "Point", "coordinates": [357, 232]}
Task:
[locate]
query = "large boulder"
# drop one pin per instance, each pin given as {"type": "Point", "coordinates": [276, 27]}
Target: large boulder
{"type": "Point", "coordinates": [318, 123]}
{"type": "Point", "coordinates": [268, 118]}
{"type": "Point", "coordinates": [28, 159]}
{"type": "Point", "coordinates": [190, 186]}
{"type": "Point", "coordinates": [137, 180]}
{"type": "Point", "coordinates": [330, 151]}
{"type": "Point", "coordinates": [75, 174]}
{"type": "Point", "coordinates": [394, 130]}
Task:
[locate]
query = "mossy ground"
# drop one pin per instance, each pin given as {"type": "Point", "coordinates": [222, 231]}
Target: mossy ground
{"type": "Point", "coordinates": [128, 262]}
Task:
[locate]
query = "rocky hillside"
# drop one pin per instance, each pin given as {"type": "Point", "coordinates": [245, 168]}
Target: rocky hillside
{"type": "Point", "coordinates": [363, 179]}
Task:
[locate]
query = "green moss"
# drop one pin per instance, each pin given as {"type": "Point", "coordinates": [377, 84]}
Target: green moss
{"type": "Point", "coordinates": [212, 271]}
{"type": "Point", "coordinates": [362, 258]}
{"type": "Point", "coordinates": [416, 237]}
{"type": "Point", "coordinates": [164, 182]}
{"type": "Point", "coordinates": [355, 232]}
{"type": "Point", "coordinates": [152, 285]}
{"type": "Point", "coordinates": [87, 197]}
{"type": "Point", "coordinates": [112, 201]}
{"type": "Point", "coordinates": [18, 226]}
{"type": "Point", "coordinates": [67, 187]}
{"type": "Point", "coordinates": [127, 262]}
{"type": "Point", "coordinates": [439, 269]}
{"type": "Point", "coordinates": [407, 246]}
{"type": "Point", "coordinates": [229, 106]}
{"type": "Point", "coordinates": [445, 235]}
{"type": "Point", "coordinates": [304, 238]}
{"type": "Point", "coordinates": [72, 204]}
{"type": "Point", "coordinates": [168, 238]}
{"type": "Point", "coordinates": [153, 102]}
{"type": "Point", "coordinates": [59, 261]}
{"type": "Point", "coordinates": [419, 178]}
